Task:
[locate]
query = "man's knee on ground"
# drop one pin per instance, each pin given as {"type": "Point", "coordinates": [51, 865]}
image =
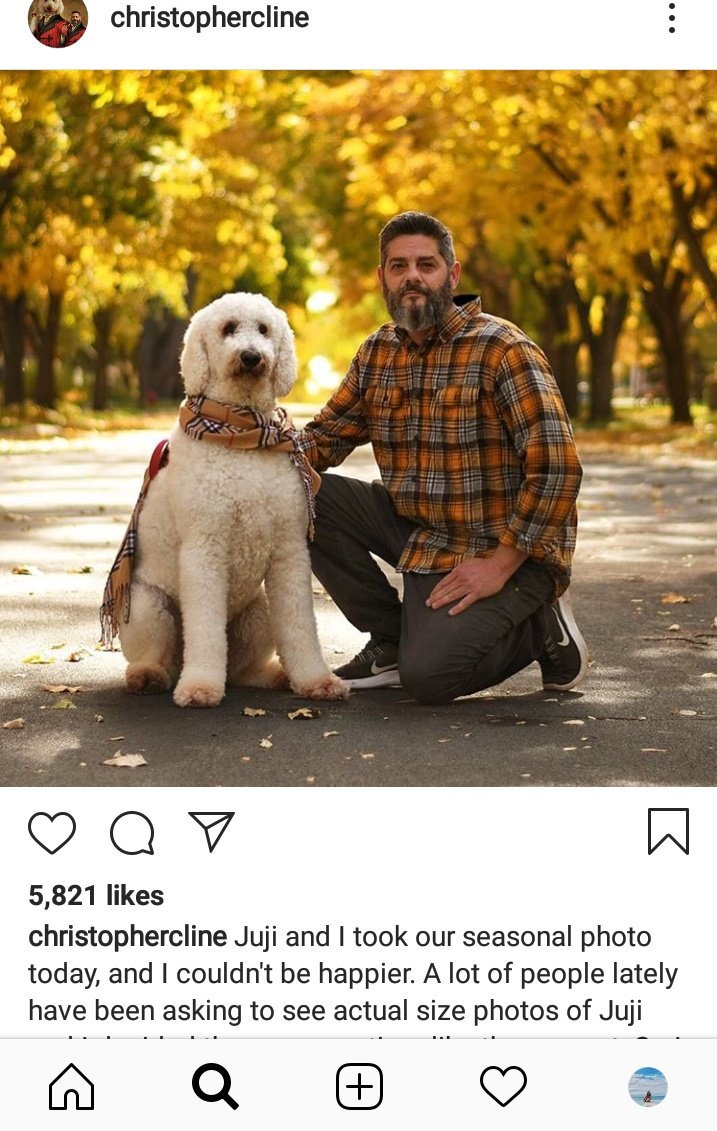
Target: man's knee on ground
{"type": "Point", "coordinates": [429, 682]}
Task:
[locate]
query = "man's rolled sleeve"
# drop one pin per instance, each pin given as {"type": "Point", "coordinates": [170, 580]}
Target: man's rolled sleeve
{"type": "Point", "coordinates": [535, 416]}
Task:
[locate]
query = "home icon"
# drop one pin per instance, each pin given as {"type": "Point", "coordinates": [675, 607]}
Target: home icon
{"type": "Point", "coordinates": [72, 1082]}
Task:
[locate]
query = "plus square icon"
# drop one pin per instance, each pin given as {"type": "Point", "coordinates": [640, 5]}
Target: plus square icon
{"type": "Point", "coordinates": [359, 1087]}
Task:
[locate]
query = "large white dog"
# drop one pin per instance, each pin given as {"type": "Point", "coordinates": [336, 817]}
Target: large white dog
{"type": "Point", "coordinates": [220, 575]}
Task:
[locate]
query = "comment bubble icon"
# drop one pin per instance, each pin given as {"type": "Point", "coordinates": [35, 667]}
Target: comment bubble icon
{"type": "Point", "coordinates": [132, 833]}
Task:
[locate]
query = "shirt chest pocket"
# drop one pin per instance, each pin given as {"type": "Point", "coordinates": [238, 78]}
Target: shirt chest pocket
{"type": "Point", "coordinates": [458, 415]}
{"type": "Point", "coordinates": [386, 409]}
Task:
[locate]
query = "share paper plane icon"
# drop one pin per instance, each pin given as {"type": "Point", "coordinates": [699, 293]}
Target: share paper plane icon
{"type": "Point", "coordinates": [214, 825]}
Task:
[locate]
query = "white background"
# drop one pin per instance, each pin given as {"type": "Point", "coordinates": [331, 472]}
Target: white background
{"type": "Point", "coordinates": [427, 1084]}
{"type": "Point", "coordinates": [511, 34]}
{"type": "Point", "coordinates": [424, 859]}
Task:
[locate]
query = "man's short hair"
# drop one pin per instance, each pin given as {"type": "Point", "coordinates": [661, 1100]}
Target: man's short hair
{"type": "Point", "coordinates": [417, 224]}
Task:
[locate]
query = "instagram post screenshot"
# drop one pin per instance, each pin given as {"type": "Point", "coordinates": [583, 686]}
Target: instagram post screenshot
{"type": "Point", "coordinates": [358, 564]}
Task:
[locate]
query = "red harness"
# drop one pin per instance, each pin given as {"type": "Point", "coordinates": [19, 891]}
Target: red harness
{"type": "Point", "coordinates": [159, 458]}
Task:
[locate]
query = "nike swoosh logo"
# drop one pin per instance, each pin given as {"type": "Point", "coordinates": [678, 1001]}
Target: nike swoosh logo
{"type": "Point", "coordinates": [376, 669]}
{"type": "Point", "coordinates": [566, 639]}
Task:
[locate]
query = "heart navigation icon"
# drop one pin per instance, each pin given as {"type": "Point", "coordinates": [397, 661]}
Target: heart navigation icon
{"type": "Point", "coordinates": [51, 833]}
{"type": "Point", "coordinates": [503, 1084]}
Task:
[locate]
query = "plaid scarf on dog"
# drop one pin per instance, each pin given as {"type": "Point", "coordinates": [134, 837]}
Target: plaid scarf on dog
{"type": "Point", "coordinates": [216, 423]}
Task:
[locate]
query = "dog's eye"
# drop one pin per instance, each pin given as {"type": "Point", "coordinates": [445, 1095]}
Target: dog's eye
{"type": "Point", "coordinates": [263, 328]}
{"type": "Point", "coordinates": [229, 328]}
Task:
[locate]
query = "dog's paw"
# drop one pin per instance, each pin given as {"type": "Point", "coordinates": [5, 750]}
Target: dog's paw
{"type": "Point", "coordinates": [198, 693]}
{"type": "Point", "coordinates": [147, 679]}
{"type": "Point", "coordinates": [325, 687]}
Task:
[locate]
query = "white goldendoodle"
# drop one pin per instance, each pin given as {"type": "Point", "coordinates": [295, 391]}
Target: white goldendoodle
{"type": "Point", "coordinates": [221, 576]}
{"type": "Point", "coordinates": [43, 10]}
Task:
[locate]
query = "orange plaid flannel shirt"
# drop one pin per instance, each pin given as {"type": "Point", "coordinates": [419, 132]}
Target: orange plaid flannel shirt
{"type": "Point", "coordinates": [471, 437]}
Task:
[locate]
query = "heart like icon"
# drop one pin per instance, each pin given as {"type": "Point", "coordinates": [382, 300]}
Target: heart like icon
{"type": "Point", "coordinates": [503, 1084]}
{"type": "Point", "coordinates": [51, 833]}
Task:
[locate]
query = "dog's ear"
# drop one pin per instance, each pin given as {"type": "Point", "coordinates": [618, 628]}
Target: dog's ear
{"type": "Point", "coordinates": [285, 367]}
{"type": "Point", "coordinates": [194, 362]}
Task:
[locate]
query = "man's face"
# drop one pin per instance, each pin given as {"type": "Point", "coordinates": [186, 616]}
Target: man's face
{"type": "Point", "coordinates": [417, 282]}
{"type": "Point", "coordinates": [75, 19]}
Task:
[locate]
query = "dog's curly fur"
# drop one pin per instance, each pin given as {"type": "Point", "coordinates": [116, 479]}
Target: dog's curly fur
{"type": "Point", "coordinates": [43, 9]}
{"type": "Point", "coordinates": [222, 576]}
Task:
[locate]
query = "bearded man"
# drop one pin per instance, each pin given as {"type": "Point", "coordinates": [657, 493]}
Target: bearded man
{"type": "Point", "coordinates": [476, 502]}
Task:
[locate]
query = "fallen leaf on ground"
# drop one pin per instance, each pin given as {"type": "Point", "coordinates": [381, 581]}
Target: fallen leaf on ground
{"type": "Point", "coordinates": [32, 571]}
{"type": "Point", "coordinates": [61, 688]}
{"type": "Point", "coordinates": [38, 658]}
{"type": "Point", "coordinates": [573, 722]}
{"type": "Point", "coordinates": [368, 755]}
{"type": "Point", "coordinates": [652, 750]}
{"type": "Point", "coordinates": [129, 760]}
{"type": "Point", "coordinates": [74, 658]}
{"type": "Point", "coordinates": [673, 628]}
{"type": "Point", "coordinates": [56, 647]}
{"type": "Point", "coordinates": [117, 738]}
{"type": "Point", "coordinates": [266, 743]}
{"type": "Point", "coordinates": [329, 733]}
{"type": "Point", "coordinates": [683, 711]}
{"type": "Point", "coordinates": [310, 781]}
{"type": "Point", "coordinates": [253, 712]}
{"type": "Point", "coordinates": [675, 599]}
{"type": "Point", "coordinates": [14, 724]}
{"type": "Point", "coordinates": [708, 675]}
{"type": "Point", "coordinates": [63, 705]}
{"type": "Point", "coordinates": [445, 740]}
{"type": "Point", "coordinates": [99, 718]}
{"type": "Point", "coordinates": [83, 569]}
{"type": "Point", "coordinates": [304, 713]}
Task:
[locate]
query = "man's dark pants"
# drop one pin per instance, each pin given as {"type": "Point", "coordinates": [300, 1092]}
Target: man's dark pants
{"type": "Point", "coordinates": [440, 656]}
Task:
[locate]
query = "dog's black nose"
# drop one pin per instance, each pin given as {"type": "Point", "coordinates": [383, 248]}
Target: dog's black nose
{"type": "Point", "coordinates": [250, 358]}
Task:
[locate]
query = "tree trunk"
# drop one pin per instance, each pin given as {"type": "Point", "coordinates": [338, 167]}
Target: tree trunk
{"type": "Point", "coordinates": [102, 320]}
{"type": "Point", "coordinates": [663, 303]}
{"type": "Point", "coordinates": [12, 319]}
{"type": "Point", "coordinates": [45, 389]}
{"type": "Point", "coordinates": [665, 315]}
{"type": "Point", "coordinates": [560, 345]}
{"type": "Point", "coordinates": [160, 344]}
{"type": "Point", "coordinates": [692, 238]}
{"type": "Point", "coordinates": [602, 355]}
{"type": "Point", "coordinates": [602, 347]}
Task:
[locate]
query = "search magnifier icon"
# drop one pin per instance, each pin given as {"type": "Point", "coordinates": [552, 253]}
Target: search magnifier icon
{"type": "Point", "coordinates": [212, 1097]}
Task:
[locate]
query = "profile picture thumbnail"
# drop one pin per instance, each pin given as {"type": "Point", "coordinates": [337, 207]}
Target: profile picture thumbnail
{"type": "Point", "coordinates": [647, 1087]}
{"type": "Point", "coordinates": [57, 23]}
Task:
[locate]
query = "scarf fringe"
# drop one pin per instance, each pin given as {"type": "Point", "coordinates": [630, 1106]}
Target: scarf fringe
{"type": "Point", "coordinates": [205, 420]}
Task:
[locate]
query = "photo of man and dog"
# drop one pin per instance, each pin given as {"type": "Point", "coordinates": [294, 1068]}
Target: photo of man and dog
{"type": "Point", "coordinates": [358, 428]}
{"type": "Point", "coordinates": [54, 26]}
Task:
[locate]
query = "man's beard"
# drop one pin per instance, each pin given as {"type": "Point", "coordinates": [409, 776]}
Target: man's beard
{"type": "Point", "coordinates": [413, 317]}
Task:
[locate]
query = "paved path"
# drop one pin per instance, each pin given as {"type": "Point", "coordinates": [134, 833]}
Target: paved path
{"type": "Point", "coordinates": [645, 716]}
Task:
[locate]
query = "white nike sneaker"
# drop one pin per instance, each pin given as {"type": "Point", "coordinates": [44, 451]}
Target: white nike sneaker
{"type": "Point", "coordinates": [376, 665]}
{"type": "Point", "coordinates": [564, 660]}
